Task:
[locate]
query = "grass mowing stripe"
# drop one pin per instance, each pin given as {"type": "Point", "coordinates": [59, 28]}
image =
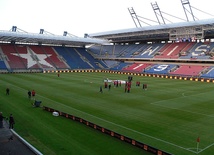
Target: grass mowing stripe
{"type": "Point", "coordinates": [102, 119]}
{"type": "Point", "coordinates": [88, 150]}
{"type": "Point", "coordinates": [165, 106]}
{"type": "Point", "coordinates": [123, 127]}
{"type": "Point", "coordinates": [134, 110]}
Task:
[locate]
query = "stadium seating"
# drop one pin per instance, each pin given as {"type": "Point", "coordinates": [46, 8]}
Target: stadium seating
{"type": "Point", "coordinates": [199, 51]}
{"type": "Point", "coordinates": [161, 68]}
{"type": "Point", "coordinates": [55, 58]}
{"type": "Point", "coordinates": [73, 58]}
{"type": "Point", "coordinates": [38, 50]}
{"type": "Point", "coordinates": [101, 51]}
{"type": "Point", "coordinates": [25, 57]}
{"type": "Point", "coordinates": [2, 65]}
{"type": "Point", "coordinates": [11, 53]}
{"type": "Point", "coordinates": [189, 70]}
{"type": "Point", "coordinates": [149, 51]}
{"type": "Point", "coordinates": [66, 56]}
{"type": "Point", "coordinates": [118, 66]}
{"type": "Point", "coordinates": [136, 67]}
{"type": "Point", "coordinates": [171, 51]}
{"type": "Point", "coordinates": [90, 59]}
{"type": "Point", "coordinates": [208, 73]}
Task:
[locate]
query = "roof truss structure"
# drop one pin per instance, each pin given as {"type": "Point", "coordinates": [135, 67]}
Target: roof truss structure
{"type": "Point", "coordinates": [202, 29]}
{"type": "Point", "coordinates": [22, 37]}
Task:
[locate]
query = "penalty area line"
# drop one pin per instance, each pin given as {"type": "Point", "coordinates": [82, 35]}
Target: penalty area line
{"type": "Point", "coordinates": [156, 104]}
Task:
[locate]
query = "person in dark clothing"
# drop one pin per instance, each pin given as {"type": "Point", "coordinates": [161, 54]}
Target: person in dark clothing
{"type": "Point", "coordinates": [29, 94]}
{"type": "Point", "coordinates": [7, 91]}
{"type": "Point", "coordinates": [1, 120]}
{"type": "Point", "coordinates": [126, 87]}
{"type": "Point", "coordinates": [11, 121]}
{"type": "Point", "coordinates": [144, 86]}
{"type": "Point", "coordinates": [109, 86]}
{"type": "Point", "coordinates": [101, 89]}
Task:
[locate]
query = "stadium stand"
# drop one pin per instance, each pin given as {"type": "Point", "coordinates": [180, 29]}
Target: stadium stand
{"type": "Point", "coordinates": [187, 70]}
{"type": "Point", "coordinates": [172, 50]}
{"type": "Point", "coordinates": [160, 68]}
{"type": "Point", "coordinates": [40, 55]}
{"type": "Point", "coordinates": [13, 56]}
{"type": "Point", "coordinates": [179, 49]}
{"type": "Point", "coordinates": [25, 57]}
{"type": "Point", "coordinates": [73, 58]}
{"type": "Point", "coordinates": [95, 64]}
{"type": "Point", "coordinates": [55, 58]}
{"type": "Point", "coordinates": [208, 73]}
{"type": "Point", "coordinates": [198, 51]}
{"type": "Point", "coordinates": [118, 66]}
{"type": "Point", "coordinates": [136, 67]}
{"type": "Point", "coordinates": [150, 50]}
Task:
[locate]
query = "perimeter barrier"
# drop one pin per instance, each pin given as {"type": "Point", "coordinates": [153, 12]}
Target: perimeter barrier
{"type": "Point", "coordinates": [109, 132]}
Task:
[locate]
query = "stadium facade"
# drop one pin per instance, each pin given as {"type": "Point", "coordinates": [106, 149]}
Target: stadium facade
{"type": "Point", "coordinates": [180, 50]}
{"type": "Point", "coordinates": [184, 49]}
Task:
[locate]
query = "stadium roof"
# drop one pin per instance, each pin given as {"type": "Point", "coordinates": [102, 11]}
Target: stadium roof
{"type": "Point", "coordinates": [153, 32]}
{"type": "Point", "coordinates": [33, 38]}
{"type": "Point", "coordinates": [140, 34]}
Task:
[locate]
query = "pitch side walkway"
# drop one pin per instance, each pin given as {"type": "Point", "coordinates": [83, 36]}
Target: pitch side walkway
{"type": "Point", "coordinates": [10, 144]}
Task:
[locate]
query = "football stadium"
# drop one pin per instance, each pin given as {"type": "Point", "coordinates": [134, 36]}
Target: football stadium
{"type": "Point", "coordinates": [144, 90]}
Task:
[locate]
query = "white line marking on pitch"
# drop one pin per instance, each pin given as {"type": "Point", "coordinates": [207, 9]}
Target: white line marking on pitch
{"type": "Point", "coordinates": [121, 125]}
{"type": "Point", "coordinates": [183, 96]}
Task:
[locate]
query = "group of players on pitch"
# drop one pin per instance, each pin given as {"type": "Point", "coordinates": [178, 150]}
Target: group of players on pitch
{"type": "Point", "coordinates": [118, 83]}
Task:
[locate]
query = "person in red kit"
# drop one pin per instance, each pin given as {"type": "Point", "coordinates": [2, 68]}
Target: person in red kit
{"type": "Point", "coordinates": [128, 89]}
{"type": "Point", "coordinates": [33, 94]}
{"type": "Point", "coordinates": [105, 85]}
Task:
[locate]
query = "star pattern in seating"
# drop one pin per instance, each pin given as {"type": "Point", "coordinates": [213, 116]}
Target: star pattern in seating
{"type": "Point", "coordinates": [34, 58]}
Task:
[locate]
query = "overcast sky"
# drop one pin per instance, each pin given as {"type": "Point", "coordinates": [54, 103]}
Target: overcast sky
{"type": "Point", "coordinates": [78, 17]}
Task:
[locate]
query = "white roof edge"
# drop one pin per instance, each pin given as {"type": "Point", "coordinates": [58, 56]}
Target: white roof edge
{"type": "Point", "coordinates": [156, 27]}
{"type": "Point", "coordinates": [51, 37]}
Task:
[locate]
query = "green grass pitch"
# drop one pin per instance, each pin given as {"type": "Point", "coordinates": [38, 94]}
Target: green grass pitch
{"type": "Point", "coordinates": [170, 115]}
